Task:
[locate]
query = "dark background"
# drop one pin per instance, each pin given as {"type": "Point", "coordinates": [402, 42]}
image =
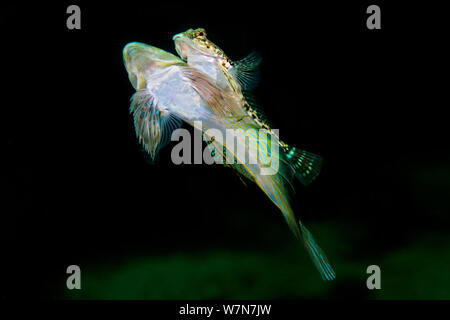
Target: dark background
{"type": "Point", "coordinates": [79, 190]}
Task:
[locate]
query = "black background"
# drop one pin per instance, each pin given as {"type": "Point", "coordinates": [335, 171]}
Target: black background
{"type": "Point", "coordinates": [371, 102]}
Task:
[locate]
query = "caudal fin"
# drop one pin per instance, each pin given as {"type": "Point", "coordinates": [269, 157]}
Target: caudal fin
{"type": "Point", "coordinates": [307, 165]}
{"type": "Point", "coordinates": [320, 260]}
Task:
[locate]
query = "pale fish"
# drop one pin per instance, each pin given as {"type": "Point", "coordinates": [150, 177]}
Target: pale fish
{"type": "Point", "coordinates": [235, 79]}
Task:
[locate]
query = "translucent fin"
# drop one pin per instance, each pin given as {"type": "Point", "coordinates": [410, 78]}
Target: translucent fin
{"type": "Point", "coordinates": [320, 260]}
{"type": "Point", "coordinates": [242, 173]}
{"type": "Point", "coordinates": [220, 103]}
{"type": "Point", "coordinates": [153, 124]}
{"type": "Point", "coordinates": [306, 165]}
{"type": "Point", "coordinates": [246, 71]}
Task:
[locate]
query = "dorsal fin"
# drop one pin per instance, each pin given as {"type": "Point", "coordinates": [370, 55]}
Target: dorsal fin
{"type": "Point", "coordinates": [246, 71]}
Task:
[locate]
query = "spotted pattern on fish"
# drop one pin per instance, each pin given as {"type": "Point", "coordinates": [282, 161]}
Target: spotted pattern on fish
{"type": "Point", "coordinates": [199, 36]}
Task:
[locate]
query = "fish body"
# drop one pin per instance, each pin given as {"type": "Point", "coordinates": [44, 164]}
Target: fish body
{"type": "Point", "coordinates": [235, 78]}
{"type": "Point", "coordinates": [157, 108]}
{"type": "Point", "coordinates": [202, 54]}
{"type": "Point", "coordinates": [168, 92]}
{"type": "Point", "coordinates": [155, 72]}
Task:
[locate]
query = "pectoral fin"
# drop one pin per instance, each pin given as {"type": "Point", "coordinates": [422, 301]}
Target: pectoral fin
{"type": "Point", "coordinates": [246, 71]}
{"type": "Point", "coordinates": [222, 104]}
{"type": "Point", "coordinates": [153, 124]}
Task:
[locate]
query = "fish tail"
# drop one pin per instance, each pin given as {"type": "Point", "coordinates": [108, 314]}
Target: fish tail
{"type": "Point", "coordinates": [317, 255]}
{"type": "Point", "coordinates": [276, 192]}
{"type": "Point", "coordinates": [275, 187]}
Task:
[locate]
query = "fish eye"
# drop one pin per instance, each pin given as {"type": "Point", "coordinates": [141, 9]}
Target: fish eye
{"type": "Point", "coordinates": [201, 34]}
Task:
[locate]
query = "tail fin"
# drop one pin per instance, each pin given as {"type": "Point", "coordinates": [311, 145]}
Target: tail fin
{"type": "Point", "coordinates": [320, 260]}
{"type": "Point", "coordinates": [307, 165]}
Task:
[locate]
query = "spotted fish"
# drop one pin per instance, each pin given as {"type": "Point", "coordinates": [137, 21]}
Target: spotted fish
{"type": "Point", "coordinates": [237, 79]}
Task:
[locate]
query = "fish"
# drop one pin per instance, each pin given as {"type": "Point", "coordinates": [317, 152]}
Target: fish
{"type": "Point", "coordinates": [168, 93]}
{"type": "Point", "coordinates": [238, 78]}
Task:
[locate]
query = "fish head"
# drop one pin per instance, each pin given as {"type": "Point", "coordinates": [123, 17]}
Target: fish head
{"type": "Point", "coordinates": [194, 42]}
{"type": "Point", "coordinates": [142, 61]}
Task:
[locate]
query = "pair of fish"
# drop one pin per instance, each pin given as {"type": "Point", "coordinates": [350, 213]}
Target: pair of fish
{"type": "Point", "coordinates": [204, 86]}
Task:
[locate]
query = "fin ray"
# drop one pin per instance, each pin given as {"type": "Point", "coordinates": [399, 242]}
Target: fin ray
{"type": "Point", "coordinates": [153, 124]}
{"type": "Point", "coordinates": [306, 165]}
{"type": "Point", "coordinates": [220, 103]}
{"type": "Point", "coordinates": [246, 71]}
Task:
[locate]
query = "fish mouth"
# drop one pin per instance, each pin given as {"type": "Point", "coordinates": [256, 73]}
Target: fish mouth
{"type": "Point", "coordinates": [178, 35]}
